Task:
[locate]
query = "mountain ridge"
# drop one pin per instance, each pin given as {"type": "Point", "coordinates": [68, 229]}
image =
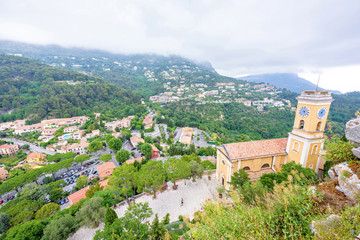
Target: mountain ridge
{"type": "Point", "coordinates": [290, 81]}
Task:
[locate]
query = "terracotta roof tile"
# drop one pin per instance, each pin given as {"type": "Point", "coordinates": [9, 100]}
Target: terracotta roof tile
{"type": "Point", "coordinates": [105, 165]}
{"type": "Point", "coordinates": [254, 149]}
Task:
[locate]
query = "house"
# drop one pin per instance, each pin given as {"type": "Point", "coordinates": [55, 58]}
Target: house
{"type": "Point", "coordinates": [155, 152]}
{"type": "Point", "coordinates": [111, 126]}
{"type": "Point", "coordinates": [303, 146]}
{"type": "Point", "coordinates": [78, 148]}
{"type": "Point", "coordinates": [5, 125]}
{"type": "Point", "coordinates": [3, 173]}
{"type": "Point", "coordinates": [247, 103]}
{"type": "Point", "coordinates": [18, 123]}
{"type": "Point", "coordinates": [9, 149]}
{"type": "Point", "coordinates": [29, 128]}
{"type": "Point", "coordinates": [135, 141]}
{"type": "Point", "coordinates": [81, 194]}
{"type": "Point", "coordinates": [71, 129]}
{"type": "Point", "coordinates": [78, 135]}
{"type": "Point", "coordinates": [92, 134]}
{"type": "Point", "coordinates": [116, 134]}
{"type": "Point", "coordinates": [36, 158]}
{"type": "Point", "coordinates": [130, 161]}
{"type": "Point", "coordinates": [125, 123]}
{"type": "Point", "coordinates": [105, 169]}
{"type": "Point", "coordinates": [97, 115]}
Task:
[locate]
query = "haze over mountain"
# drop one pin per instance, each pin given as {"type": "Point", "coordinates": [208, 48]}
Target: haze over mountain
{"type": "Point", "coordinates": [289, 81]}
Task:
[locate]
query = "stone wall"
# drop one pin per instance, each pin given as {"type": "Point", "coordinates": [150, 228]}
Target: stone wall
{"type": "Point", "coordinates": [352, 133]}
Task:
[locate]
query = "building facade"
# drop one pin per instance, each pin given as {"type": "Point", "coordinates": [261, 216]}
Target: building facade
{"type": "Point", "coordinates": [303, 146]}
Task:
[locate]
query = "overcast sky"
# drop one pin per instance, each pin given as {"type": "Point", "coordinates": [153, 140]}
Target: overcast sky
{"type": "Point", "coordinates": [238, 37]}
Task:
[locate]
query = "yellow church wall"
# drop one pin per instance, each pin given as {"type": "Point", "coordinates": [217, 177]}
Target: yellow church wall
{"type": "Point", "coordinates": [294, 155]}
{"type": "Point", "coordinates": [313, 155]}
{"type": "Point", "coordinates": [312, 119]}
{"type": "Point", "coordinates": [255, 164]}
{"type": "Point", "coordinates": [279, 161]}
{"type": "Point", "coordinates": [222, 169]}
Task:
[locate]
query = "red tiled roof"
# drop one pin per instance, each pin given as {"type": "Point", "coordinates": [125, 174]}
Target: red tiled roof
{"type": "Point", "coordinates": [77, 196]}
{"type": "Point", "coordinates": [154, 148]}
{"type": "Point", "coordinates": [104, 166]}
{"type": "Point", "coordinates": [6, 146]}
{"type": "Point", "coordinates": [255, 149]}
{"type": "Point", "coordinates": [36, 155]}
{"type": "Point", "coordinates": [130, 161]}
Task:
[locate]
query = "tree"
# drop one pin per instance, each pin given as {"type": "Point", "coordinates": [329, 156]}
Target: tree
{"type": "Point", "coordinates": [108, 138]}
{"type": "Point", "coordinates": [82, 158]}
{"type": "Point", "coordinates": [21, 211]}
{"type": "Point", "coordinates": [25, 146]}
{"type": "Point", "coordinates": [47, 211]}
{"type": "Point", "coordinates": [93, 189]}
{"type": "Point", "coordinates": [158, 230]}
{"type": "Point", "coordinates": [166, 219]}
{"type": "Point", "coordinates": [177, 169]}
{"type": "Point", "coordinates": [29, 230]}
{"type": "Point", "coordinates": [91, 213]}
{"type": "Point", "coordinates": [131, 226]}
{"type": "Point", "coordinates": [115, 144]}
{"type": "Point", "coordinates": [152, 176]}
{"type": "Point", "coordinates": [146, 149]}
{"type": "Point", "coordinates": [4, 222]}
{"type": "Point", "coordinates": [47, 180]}
{"type": "Point", "coordinates": [122, 155]}
{"type": "Point", "coordinates": [105, 157]}
{"type": "Point", "coordinates": [95, 146]}
{"type": "Point", "coordinates": [196, 170]}
{"type": "Point", "coordinates": [61, 228]}
{"type": "Point", "coordinates": [239, 178]}
{"type": "Point", "coordinates": [56, 194]}
{"type": "Point", "coordinates": [110, 216]}
{"type": "Point", "coordinates": [82, 181]}
{"type": "Point", "coordinates": [123, 180]}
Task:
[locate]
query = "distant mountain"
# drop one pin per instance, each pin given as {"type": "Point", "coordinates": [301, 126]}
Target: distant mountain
{"type": "Point", "coordinates": [289, 81]}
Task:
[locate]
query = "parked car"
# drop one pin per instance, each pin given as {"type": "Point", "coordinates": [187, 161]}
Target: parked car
{"type": "Point", "coordinates": [1, 201]}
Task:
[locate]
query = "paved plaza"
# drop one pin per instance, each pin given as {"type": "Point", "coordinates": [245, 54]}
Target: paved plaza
{"type": "Point", "coordinates": [194, 194]}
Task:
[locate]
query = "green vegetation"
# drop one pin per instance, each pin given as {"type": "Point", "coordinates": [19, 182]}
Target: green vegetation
{"type": "Point", "coordinates": [122, 156]}
{"type": "Point", "coordinates": [33, 89]}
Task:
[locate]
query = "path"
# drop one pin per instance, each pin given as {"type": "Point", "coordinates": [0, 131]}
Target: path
{"type": "Point", "coordinates": [194, 194]}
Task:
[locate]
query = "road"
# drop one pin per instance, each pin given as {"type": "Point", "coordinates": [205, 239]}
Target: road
{"type": "Point", "coordinates": [33, 147]}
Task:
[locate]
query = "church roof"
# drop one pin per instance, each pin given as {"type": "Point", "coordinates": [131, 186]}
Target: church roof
{"type": "Point", "coordinates": [255, 149]}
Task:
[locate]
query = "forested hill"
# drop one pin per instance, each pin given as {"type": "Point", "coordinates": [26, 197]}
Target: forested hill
{"type": "Point", "coordinates": [35, 90]}
{"type": "Point", "coordinates": [144, 74]}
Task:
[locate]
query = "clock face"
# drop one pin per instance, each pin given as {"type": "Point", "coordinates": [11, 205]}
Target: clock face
{"type": "Point", "coordinates": [322, 112]}
{"type": "Point", "coordinates": [304, 111]}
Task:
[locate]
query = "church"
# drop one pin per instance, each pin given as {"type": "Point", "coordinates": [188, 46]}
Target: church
{"type": "Point", "coordinates": [303, 144]}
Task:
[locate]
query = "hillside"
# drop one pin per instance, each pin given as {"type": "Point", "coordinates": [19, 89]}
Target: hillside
{"type": "Point", "coordinates": [144, 74]}
{"type": "Point", "coordinates": [35, 90]}
{"type": "Point", "coordinates": [289, 81]}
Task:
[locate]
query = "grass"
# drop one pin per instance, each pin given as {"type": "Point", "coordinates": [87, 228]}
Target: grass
{"type": "Point", "coordinates": [11, 160]}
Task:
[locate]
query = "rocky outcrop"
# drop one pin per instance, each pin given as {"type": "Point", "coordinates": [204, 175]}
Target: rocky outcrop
{"type": "Point", "coordinates": [349, 183]}
{"type": "Point", "coordinates": [325, 224]}
{"type": "Point", "coordinates": [352, 133]}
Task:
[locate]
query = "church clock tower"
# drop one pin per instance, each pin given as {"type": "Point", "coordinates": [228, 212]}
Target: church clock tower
{"type": "Point", "coordinates": [307, 137]}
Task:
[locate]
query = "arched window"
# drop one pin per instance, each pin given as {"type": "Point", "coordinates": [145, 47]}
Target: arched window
{"type": "Point", "coordinates": [246, 168]}
{"type": "Point", "coordinates": [296, 147]}
{"type": "Point", "coordinates": [318, 126]}
{"type": "Point", "coordinates": [265, 165]}
{"type": "Point", "coordinates": [314, 150]}
{"type": "Point", "coordinates": [301, 124]}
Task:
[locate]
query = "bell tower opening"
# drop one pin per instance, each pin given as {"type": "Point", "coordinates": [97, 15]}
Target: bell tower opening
{"type": "Point", "coordinates": [318, 127]}
{"type": "Point", "coordinates": [301, 124]}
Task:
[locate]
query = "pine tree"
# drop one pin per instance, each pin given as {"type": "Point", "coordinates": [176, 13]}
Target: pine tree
{"type": "Point", "coordinates": [110, 216]}
{"type": "Point", "coordinates": [158, 230]}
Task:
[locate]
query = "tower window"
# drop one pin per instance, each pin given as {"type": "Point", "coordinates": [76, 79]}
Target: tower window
{"type": "Point", "coordinates": [318, 126]}
{"type": "Point", "coordinates": [296, 147]}
{"type": "Point", "coordinates": [314, 150]}
{"type": "Point", "coordinates": [301, 124]}
{"type": "Point", "coordinates": [246, 168]}
{"type": "Point", "coordinates": [265, 165]}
